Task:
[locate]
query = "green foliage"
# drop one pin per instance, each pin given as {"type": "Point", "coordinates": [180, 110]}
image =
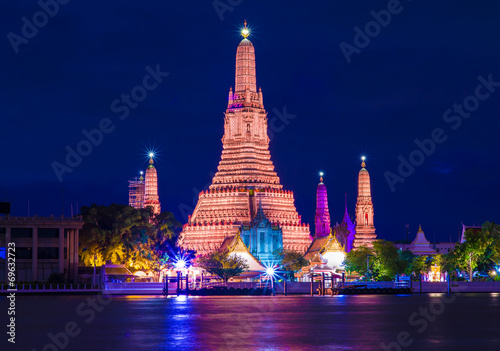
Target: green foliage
{"type": "Point", "coordinates": [223, 265]}
{"type": "Point", "coordinates": [290, 261]}
{"type": "Point", "coordinates": [388, 261]}
{"type": "Point", "coordinates": [478, 251]}
{"type": "Point", "coordinates": [122, 234]}
{"type": "Point", "coordinates": [420, 264]}
{"type": "Point", "coordinates": [357, 260]}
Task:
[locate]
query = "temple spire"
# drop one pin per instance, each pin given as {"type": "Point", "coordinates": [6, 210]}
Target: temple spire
{"type": "Point", "coordinates": [365, 229]}
{"type": "Point", "coordinates": [151, 197]}
{"type": "Point", "coordinates": [322, 218]}
{"type": "Point", "coordinates": [245, 65]}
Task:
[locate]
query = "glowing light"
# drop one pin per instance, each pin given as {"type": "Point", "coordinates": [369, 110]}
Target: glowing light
{"type": "Point", "coordinates": [321, 174]}
{"type": "Point", "coordinates": [180, 264]}
{"type": "Point", "coordinates": [363, 158]}
{"type": "Point", "coordinates": [181, 261]}
{"type": "Point", "coordinates": [270, 271]}
{"type": "Point", "coordinates": [141, 172]}
{"type": "Point", "coordinates": [245, 31]}
{"type": "Point", "coordinates": [151, 154]}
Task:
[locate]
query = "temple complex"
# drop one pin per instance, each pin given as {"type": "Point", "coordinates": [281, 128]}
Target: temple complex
{"type": "Point", "coordinates": [245, 179]}
{"type": "Point", "coordinates": [365, 229]}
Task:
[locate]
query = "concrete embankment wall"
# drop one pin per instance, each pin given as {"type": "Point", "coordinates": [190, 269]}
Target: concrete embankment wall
{"type": "Point", "coordinates": [465, 287]}
{"type": "Point", "coordinates": [305, 287]}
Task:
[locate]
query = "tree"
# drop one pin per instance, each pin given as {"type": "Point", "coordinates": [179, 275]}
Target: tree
{"type": "Point", "coordinates": [388, 262]}
{"type": "Point", "coordinates": [493, 231]}
{"type": "Point", "coordinates": [358, 261]}
{"type": "Point", "coordinates": [290, 261]}
{"type": "Point", "coordinates": [406, 258]}
{"type": "Point", "coordinates": [420, 264]}
{"type": "Point", "coordinates": [473, 252]}
{"type": "Point", "coordinates": [123, 234]}
{"type": "Point", "coordinates": [223, 264]}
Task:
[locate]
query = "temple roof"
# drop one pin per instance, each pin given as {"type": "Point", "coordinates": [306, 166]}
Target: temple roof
{"type": "Point", "coordinates": [322, 245]}
{"type": "Point", "coordinates": [235, 245]}
{"type": "Point", "coordinates": [421, 246]}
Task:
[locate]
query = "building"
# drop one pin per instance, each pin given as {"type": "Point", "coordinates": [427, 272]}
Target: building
{"type": "Point", "coordinates": [136, 192]}
{"type": "Point", "coordinates": [465, 228]}
{"type": "Point", "coordinates": [143, 192]}
{"type": "Point", "coordinates": [325, 255]}
{"type": "Point", "coordinates": [151, 198]}
{"type": "Point", "coordinates": [322, 217]}
{"type": "Point", "coordinates": [262, 238]}
{"type": "Point", "coordinates": [365, 229]}
{"type": "Point", "coordinates": [421, 246]}
{"type": "Point", "coordinates": [245, 176]}
{"type": "Point", "coordinates": [44, 245]}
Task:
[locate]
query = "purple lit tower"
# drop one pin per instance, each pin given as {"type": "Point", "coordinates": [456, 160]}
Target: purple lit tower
{"type": "Point", "coordinates": [322, 218]}
{"type": "Point", "coordinates": [350, 227]}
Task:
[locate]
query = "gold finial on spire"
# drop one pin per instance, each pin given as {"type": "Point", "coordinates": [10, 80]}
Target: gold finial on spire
{"type": "Point", "coordinates": [245, 32]}
{"type": "Point", "coordinates": [321, 176]}
{"type": "Point", "coordinates": [363, 164]}
{"type": "Point", "coordinates": [151, 155]}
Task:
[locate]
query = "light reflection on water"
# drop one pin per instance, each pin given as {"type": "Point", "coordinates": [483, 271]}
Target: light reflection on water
{"type": "Point", "coordinates": [262, 323]}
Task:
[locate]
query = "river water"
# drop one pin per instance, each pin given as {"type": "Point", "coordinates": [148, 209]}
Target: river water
{"type": "Point", "coordinates": [377, 322]}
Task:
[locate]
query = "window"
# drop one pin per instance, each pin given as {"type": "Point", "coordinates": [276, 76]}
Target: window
{"type": "Point", "coordinates": [21, 233]}
{"type": "Point", "coordinates": [23, 253]}
{"type": "Point", "coordinates": [47, 253]}
{"type": "Point", "coordinates": [2, 253]}
{"type": "Point", "coordinates": [248, 128]}
{"type": "Point", "coordinates": [48, 232]}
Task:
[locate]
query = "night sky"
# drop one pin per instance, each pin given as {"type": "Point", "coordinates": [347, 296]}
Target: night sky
{"type": "Point", "coordinates": [396, 88]}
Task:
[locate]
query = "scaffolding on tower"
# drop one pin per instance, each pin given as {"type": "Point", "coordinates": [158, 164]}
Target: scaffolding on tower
{"type": "Point", "coordinates": [136, 191]}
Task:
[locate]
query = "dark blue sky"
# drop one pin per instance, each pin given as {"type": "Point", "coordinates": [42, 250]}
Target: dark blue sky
{"type": "Point", "coordinates": [396, 89]}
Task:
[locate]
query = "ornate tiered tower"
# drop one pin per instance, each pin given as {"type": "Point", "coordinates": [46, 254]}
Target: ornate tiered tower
{"type": "Point", "coordinates": [151, 188]}
{"type": "Point", "coordinates": [246, 176]}
{"type": "Point", "coordinates": [365, 230]}
{"type": "Point", "coordinates": [322, 218]}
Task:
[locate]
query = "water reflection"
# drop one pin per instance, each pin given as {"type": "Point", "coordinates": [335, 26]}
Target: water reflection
{"type": "Point", "coordinates": [265, 323]}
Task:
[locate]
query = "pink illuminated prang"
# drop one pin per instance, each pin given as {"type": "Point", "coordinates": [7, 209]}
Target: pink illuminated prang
{"type": "Point", "coordinates": [245, 176]}
{"type": "Point", "coordinates": [365, 229]}
{"type": "Point", "coordinates": [151, 188]}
